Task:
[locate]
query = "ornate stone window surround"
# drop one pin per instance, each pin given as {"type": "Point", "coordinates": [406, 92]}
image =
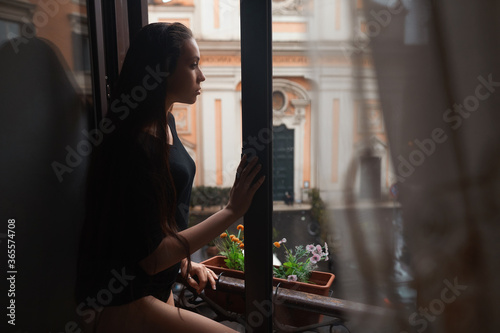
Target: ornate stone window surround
{"type": "Point", "coordinates": [295, 122]}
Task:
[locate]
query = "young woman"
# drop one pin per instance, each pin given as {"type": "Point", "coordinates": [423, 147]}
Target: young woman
{"type": "Point", "coordinates": [135, 239]}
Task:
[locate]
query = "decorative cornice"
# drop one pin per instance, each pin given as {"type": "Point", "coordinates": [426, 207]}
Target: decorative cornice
{"type": "Point", "coordinates": [290, 7]}
{"type": "Point", "coordinates": [283, 60]}
{"type": "Point", "coordinates": [305, 47]}
{"type": "Point", "coordinates": [16, 11]}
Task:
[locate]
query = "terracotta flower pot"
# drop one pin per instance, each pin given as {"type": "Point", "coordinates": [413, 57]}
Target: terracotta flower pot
{"type": "Point", "coordinates": [320, 283]}
{"type": "Point", "coordinates": [233, 302]}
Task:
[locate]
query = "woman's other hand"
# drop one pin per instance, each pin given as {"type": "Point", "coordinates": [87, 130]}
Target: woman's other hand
{"type": "Point", "coordinates": [203, 274]}
{"type": "Point", "coordinates": [244, 187]}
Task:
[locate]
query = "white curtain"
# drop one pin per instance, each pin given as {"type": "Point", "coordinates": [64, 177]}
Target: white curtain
{"type": "Point", "coordinates": [437, 67]}
{"type": "Point", "coordinates": [440, 94]}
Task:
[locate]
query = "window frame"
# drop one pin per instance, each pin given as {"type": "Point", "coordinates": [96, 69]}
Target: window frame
{"type": "Point", "coordinates": [257, 122]}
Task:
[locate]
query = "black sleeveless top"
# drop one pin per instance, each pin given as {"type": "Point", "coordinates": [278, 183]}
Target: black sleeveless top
{"type": "Point", "coordinates": [111, 275]}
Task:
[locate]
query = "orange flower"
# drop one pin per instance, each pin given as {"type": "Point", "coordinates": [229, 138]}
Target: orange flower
{"type": "Point", "coordinates": [235, 239]}
{"type": "Point", "coordinates": [223, 235]}
{"type": "Point", "coordinates": [232, 236]}
{"type": "Point", "coordinates": [242, 245]}
{"type": "Point", "coordinates": [240, 227]}
{"type": "Point", "coordinates": [277, 244]}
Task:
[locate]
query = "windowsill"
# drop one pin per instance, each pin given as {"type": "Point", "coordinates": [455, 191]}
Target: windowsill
{"type": "Point", "coordinates": [278, 206]}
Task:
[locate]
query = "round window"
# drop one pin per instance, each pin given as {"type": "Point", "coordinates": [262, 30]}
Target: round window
{"type": "Point", "coordinates": [278, 100]}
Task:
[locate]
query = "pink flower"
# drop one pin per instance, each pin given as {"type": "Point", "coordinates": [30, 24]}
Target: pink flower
{"type": "Point", "coordinates": [326, 249]}
{"type": "Point", "coordinates": [315, 258]}
{"type": "Point", "coordinates": [319, 249]}
{"type": "Point", "coordinates": [292, 278]}
{"type": "Point", "coordinates": [283, 241]}
{"type": "Point", "coordinates": [310, 248]}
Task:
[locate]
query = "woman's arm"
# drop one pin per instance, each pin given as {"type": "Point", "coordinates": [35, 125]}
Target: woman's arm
{"type": "Point", "coordinates": [171, 251]}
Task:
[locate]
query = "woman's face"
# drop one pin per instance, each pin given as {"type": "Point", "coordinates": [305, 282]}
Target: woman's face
{"type": "Point", "coordinates": [185, 82]}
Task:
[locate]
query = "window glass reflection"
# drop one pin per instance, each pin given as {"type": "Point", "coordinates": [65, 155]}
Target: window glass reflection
{"type": "Point", "coordinates": [46, 103]}
{"type": "Point", "coordinates": [63, 25]}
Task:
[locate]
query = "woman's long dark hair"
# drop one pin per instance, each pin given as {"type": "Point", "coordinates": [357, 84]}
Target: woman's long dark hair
{"type": "Point", "coordinates": [152, 56]}
{"type": "Point", "coordinates": [137, 106]}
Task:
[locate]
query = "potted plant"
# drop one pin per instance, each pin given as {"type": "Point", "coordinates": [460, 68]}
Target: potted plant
{"type": "Point", "coordinates": [231, 247]}
{"type": "Point", "coordinates": [231, 263]}
{"type": "Point", "coordinates": [297, 273]}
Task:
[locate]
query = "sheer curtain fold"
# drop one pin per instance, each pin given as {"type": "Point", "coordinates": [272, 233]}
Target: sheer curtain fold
{"type": "Point", "coordinates": [440, 96]}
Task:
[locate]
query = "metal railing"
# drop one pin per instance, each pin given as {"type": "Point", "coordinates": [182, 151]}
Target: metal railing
{"type": "Point", "coordinates": [339, 311]}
